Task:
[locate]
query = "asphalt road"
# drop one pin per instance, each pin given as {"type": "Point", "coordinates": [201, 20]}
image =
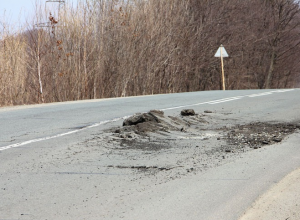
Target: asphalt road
{"type": "Point", "coordinates": [20, 124]}
{"type": "Point", "coordinates": [220, 193]}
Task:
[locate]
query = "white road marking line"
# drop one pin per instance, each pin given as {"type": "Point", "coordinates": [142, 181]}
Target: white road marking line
{"type": "Point", "coordinates": [225, 100]}
{"type": "Point", "coordinates": [284, 90]}
{"type": "Point", "coordinates": [184, 106]}
{"type": "Point", "coordinates": [60, 135]}
{"type": "Point", "coordinates": [269, 93]}
{"type": "Point", "coordinates": [260, 94]}
{"type": "Point", "coordinates": [117, 119]}
{"type": "Point", "coordinates": [202, 103]}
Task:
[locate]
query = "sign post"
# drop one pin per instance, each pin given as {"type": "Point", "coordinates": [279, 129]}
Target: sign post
{"type": "Point", "coordinates": [221, 52]}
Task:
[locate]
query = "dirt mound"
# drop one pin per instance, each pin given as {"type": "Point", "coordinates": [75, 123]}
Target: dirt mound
{"type": "Point", "coordinates": [141, 124]}
{"type": "Point", "coordinates": [139, 118]}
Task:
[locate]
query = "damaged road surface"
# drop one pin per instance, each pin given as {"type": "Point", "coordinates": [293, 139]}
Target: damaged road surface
{"type": "Point", "coordinates": [197, 140]}
{"type": "Point", "coordinates": [208, 161]}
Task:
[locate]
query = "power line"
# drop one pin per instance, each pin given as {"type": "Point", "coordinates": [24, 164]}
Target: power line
{"type": "Point", "coordinates": [44, 24]}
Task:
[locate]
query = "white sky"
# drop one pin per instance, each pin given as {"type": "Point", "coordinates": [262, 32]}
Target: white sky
{"type": "Point", "coordinates": [16, 11]}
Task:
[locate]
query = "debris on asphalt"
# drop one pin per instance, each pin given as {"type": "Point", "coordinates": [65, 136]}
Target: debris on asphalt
{"type": "Point", "coordinates": [187, 112]}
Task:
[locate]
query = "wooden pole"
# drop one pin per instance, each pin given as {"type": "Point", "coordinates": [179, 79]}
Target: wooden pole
{"type": "Point", "coordinates": [222, 64]}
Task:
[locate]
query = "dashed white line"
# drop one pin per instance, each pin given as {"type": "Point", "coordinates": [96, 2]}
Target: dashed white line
{"type": "Point", "coordinates": [269, 93]}
{"type": "Point", "coordinates": [184, 106]}
{"type": "Point", "coordinates": [202, 103]}
{"type": "Point", "coordinates": [225, 100]}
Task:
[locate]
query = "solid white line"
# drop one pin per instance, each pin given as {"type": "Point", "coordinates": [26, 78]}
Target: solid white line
{"type": "Point", "coordinates": [60, 135]}
{"type": "Point", "coordinates": [116, 119]}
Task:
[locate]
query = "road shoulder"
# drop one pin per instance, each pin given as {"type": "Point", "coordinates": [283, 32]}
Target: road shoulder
{"type": "Point", "coordinates": [281, 202]}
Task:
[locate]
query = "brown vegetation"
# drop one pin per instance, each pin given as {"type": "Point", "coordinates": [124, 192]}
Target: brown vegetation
{"type": "Point", "coordinates": [112, 48]}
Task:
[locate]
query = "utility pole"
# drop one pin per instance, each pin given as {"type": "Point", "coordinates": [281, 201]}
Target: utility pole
{"type": "Point", "coordinates": [50, 23]}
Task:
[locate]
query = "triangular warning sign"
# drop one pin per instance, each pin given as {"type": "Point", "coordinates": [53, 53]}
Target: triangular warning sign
{"type": "Point", "coordinates": [221, 50]}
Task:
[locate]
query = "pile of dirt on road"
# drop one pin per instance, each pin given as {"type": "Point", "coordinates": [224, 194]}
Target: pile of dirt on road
{"type": "Point", "coordinates": [187, 142]}
{"type": "Point", "coordinates": [140, 130]}
{"type": "Point", "coordinates": [154, 121]}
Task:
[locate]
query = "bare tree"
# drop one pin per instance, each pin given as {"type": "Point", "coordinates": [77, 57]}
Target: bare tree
{"type": "Point", "coordinates": [112, 48]}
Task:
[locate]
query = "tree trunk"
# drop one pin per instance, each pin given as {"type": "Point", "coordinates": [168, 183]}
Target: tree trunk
{"type": "Point", "coordinates": [270, 72]}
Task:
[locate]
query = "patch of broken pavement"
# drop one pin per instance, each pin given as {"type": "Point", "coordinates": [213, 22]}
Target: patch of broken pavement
{"type": "Point", "coordinates": [175, 145]}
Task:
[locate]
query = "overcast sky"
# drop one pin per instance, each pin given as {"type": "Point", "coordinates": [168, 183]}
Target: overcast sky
{"type": "Point", "coordinates": [15, 9]}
